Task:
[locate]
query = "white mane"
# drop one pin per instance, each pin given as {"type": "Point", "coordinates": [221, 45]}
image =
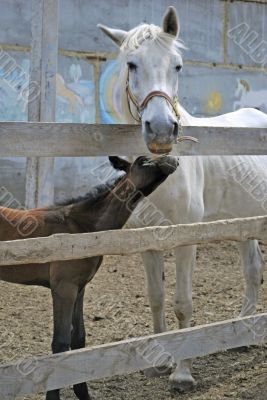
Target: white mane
{"type": "Point", "coordinates": [137, 36]}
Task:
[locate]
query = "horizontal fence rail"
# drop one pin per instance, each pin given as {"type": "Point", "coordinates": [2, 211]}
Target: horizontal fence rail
{"type": "Point", "coordinates": [65, 246]}
{"type": "Point", "coordinates": [72, 367]}
{"type": "Point", "coordinates": [32, 139]}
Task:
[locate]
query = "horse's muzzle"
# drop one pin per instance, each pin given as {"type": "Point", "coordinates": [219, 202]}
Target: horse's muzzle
{"type": "Point", "coordinates": [158, 148]}
{"type": "Point", "coordinates": [160, 136]}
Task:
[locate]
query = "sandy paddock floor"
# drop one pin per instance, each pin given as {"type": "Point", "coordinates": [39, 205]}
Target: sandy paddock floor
{"type": "Point", "coordinates": [116, 307]}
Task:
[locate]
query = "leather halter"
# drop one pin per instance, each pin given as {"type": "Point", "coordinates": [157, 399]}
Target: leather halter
{"type": "Point", "coordinates": [156, 93]}
{"type": "Point", "coordinates": [140, 107]}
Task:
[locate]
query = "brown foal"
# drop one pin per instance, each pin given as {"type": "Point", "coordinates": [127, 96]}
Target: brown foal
{"type": "Point", "coordinates": [105, 207]}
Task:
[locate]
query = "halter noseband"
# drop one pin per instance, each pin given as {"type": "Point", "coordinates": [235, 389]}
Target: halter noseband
{"type": "Point", "coordinates": [140, 107]}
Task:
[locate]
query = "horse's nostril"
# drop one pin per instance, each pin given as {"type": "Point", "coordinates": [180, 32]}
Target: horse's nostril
{"type": "Point", "coordinates": [175, 129]}
{"type": "Point", "coordinates": [148, 127]}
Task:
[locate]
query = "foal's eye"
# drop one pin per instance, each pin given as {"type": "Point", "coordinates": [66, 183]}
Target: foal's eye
{"type": "Point", "coordinates": [132, 66]}
{"type": "Point", "coordinates": [178, 68]}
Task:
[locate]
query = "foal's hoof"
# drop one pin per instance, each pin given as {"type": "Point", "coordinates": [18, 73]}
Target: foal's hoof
{"type": "Point", "coordinates": [81, 391]}
{"type": "Point", "coordinates": [241, 349]}
{"type": "Point", "coordinates": [53, 395]}
{"type": "Point", "coordinates": [155, 372]}
{"type": "Point", "coordinates": [182, 386]}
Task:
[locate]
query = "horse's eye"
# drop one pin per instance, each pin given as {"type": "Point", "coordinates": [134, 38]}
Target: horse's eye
{"type": "Point", "coordinates": [178, 68]}
{"type": "Point", "coordinates": [132, 66]}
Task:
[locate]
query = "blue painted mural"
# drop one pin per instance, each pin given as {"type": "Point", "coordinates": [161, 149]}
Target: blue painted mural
{"type": "Point", "coordinates": [110, 109]}
{"type": "Point", "coordinates": [201, 90]}
{"type": "Point", "coordinates": [75, 89]}
{"type": "Point", "coordinates": [13, 73]}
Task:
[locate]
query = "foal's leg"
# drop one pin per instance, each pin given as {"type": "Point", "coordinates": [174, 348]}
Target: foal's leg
{"type": "Point", "coordinates": [181, 379]}
{"type": "Point", "coordinates": [253, 265]}
{"type": "Point", "coordinates": [78, 341]}
{"type": "Point", "coordinates": [64, 295]}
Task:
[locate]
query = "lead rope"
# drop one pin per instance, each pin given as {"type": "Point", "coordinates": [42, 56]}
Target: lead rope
{"type": "Point", "coordinates": [180, 126]}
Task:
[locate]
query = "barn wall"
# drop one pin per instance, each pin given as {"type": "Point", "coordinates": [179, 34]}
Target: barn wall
{"type": "Point", "coordinates": [225, 66]}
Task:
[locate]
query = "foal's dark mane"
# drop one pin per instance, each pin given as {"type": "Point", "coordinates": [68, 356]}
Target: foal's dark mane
{"type": "Point", "coordinates": [97, 193]}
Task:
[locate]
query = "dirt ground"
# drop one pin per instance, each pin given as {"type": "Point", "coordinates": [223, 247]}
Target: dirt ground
{"type": "Point", "coordinates": [116, 307]}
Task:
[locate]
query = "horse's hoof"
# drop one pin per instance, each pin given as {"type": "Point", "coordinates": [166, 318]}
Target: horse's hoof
{"type": "Point", "coordinates": [155, 372]}
{"type": "Point", "coordinates": [182, 386]}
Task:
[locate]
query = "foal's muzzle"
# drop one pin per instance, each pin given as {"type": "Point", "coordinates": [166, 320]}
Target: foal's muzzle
{"type": "Point", "coordinates": [168, 164]}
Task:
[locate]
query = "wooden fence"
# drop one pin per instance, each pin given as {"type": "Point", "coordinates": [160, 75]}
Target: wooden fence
{"type": "Point", "coordinates": [65, 246]}
{"type": "Point", "coordinates": [45, 139]}
{"type": "Point", "coordinates": [65, 369]}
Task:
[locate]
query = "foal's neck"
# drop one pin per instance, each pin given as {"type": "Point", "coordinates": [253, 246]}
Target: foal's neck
{"type": "Point", "coordinates": [109, 211]}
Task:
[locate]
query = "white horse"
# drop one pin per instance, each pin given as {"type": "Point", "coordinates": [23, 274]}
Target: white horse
{"type": "Point", "coordinates": [202, 188]}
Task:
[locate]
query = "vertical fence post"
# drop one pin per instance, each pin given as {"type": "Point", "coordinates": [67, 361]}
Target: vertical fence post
{"type": "Point", "coordinates": [42, 105]}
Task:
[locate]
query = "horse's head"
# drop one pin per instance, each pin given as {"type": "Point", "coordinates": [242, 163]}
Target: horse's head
{"type": "Point", "coordinates": [144, 175]}
{"type": "Point", "coordinates": [151, 61]}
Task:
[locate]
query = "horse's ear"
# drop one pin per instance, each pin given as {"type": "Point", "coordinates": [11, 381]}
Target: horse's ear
{"type": "Point", "coordinates": [119, 163]}
{"type": "Point", "coordinates": [171, 23]}
{"type": "Point", "coordinates": [116, 35]}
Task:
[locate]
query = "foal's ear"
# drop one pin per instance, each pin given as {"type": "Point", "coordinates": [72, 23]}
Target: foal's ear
{"type": "Point", "coordinates": [116, 35]}
{"type": "Point", "coordinates": [119, 163]}
{"type": "Point", "coordinates": [171, 23]}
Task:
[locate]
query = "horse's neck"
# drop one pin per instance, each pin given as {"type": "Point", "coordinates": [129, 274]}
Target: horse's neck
{"type": "Point", "coordinates": [188, 119]}
{"type": "Point", "coordinates": [246, 118]}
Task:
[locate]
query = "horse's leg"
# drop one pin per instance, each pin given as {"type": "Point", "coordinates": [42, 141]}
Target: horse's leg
{"type": "Point", "coordinates": [155, 280]}
{"type": "Point", "coordinates": [64, 295]}
{"type": "Point", "coordinates": [253, 265]}
{"type": "Point", "coordinates": [181, 379]}
{"type": "Point", "coordinates": [78, 341]}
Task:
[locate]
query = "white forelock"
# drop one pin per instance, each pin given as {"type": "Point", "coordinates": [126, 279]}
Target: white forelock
{"type": "Point", "coordinates": [144, 32]}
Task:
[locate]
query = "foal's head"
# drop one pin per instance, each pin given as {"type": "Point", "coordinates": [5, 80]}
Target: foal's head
{"type": "Point", "coordinates": [151, 61]}
{"type": "Point", "coordinates": [109, 206]}
{"type": "Point", "coordinates": [144, 175]}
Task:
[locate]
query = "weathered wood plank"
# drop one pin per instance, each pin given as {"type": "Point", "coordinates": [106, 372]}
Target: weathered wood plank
{"type": "Point", "coordinates": [65, 369]}
{"type": "Point", "coordinates": [66, 139]}
{"type": "Point", "coordinates": [42, 102]}
{"type": "Point", "coordinates": [34, 100]}
{"type": "Point", "coordinates": [128, 241]}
